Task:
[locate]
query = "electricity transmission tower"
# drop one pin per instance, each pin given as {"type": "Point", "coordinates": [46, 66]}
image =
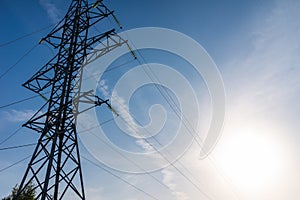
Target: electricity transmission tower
{"type": "Point", "coordinates": [55, 166]}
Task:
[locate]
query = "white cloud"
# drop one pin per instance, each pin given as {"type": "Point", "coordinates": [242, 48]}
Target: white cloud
{"type": "Point", "coordinates": [122, 109]}
{"type": "Point", "coordinates": [262, 80]}
{"type": "Point", "coordinates": [269, 74]}
{"type": "Point", "coordinates": [52, 11]}
{"type": "Point", "coordinates": [168, 179]}
{"type": "Point", "coordinates": [147, 146]}
{"type": "Point", "coordinates": [18, 115]}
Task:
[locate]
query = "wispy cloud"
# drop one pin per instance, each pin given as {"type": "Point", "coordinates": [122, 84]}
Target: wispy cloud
{"type": "Point", "coordinates": [255, 83]}
{"type": "Point", "coordinates": [263, 88]}
{"type": "Point", "coordinates": [168, 179]}
{"type": "Point", "coordinates": [269, 74]}
{"type": "Point", "coordinates": [123, 112]}
{"type": "Point", "coordinates": [17, 115]}
{"type": "Point", "coordinates": [52, 11]}
{"type": "Point", "coordinates": [169, 176]}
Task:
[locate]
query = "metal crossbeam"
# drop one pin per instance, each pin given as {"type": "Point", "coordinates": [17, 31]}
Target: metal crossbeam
{"type": "Point", "coordinates": [55, 164]}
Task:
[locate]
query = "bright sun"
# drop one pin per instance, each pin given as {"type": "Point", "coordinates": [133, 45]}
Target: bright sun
{"type": "Point", "coordinates": [252, 160]}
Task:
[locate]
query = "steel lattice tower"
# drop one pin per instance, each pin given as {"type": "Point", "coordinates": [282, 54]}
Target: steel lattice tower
{"type": "Point", "coordinates": [55, 166]}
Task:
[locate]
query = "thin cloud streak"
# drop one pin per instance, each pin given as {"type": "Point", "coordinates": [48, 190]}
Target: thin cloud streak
{"type": "Point", "coordinates": [52, 11]}
{"type": "Point", "coordinates": [269, 74]}
{"type": "Point", "coordinates": [18, 115]}
{"type": "Point", "coordinates": [168, 179]}
{"type": "Point", "coordinates": [122, 110]}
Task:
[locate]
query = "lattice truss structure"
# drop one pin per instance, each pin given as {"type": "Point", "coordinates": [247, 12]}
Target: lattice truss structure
{"type": "Point", "coordinates": [55, 166]}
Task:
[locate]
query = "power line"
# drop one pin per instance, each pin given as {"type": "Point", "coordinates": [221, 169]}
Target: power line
{"type": "Point", "coordinates": [91, 161]}
{"type": "Point", "coordinates": [165, 94]}
{"type": "Point", "coordinates": [17, 147]}
{"type": "Point", "coordinates": [58, 143]}
{"type": "Point", "coordinates": [18, 61]}
{"type": "Point", "coordinates": [137, 50]}
{"type": "Point", "coordinates": [187, 178]}
{"type": "Point", "coordinates": [32, 144]}
{"type": "Point", "coordinates": [120, 178]}
{"type": "Point", "coordinates": [92, 76]}
{"type": "Point", "coordinates": [14, 164]}
{"type": "Point", "coordinates": [171, 163]}
{"type": "Point", "coordinates": [110, 69]}
{"type": "Point", "coordinates": [22, 100]}
{"type": "Point", "coordinates": [160, 91]}
{"type": "Point", "coordinates": [11, 135]}
{"type": "Point", "coordinates": [109, 145]}
{"type": "Point", "coordinates": [164, 157]}
{"type": "Point", "coordinates": [195, 136]}
{"type": "Point", "coordinates": [169, 98]}
{"type": "Point", "coordinates": [225, 178]}
{"type": "Point", "coordinates": [132, 161]}
{"type": "Point", "coordinates": [185, 122]}
{"type": "Point", "coordinates": [146, 172]}
{"type": "Point", "coordinates": [25, 36]}
{"type": "Point", "coordinates": [101, 124]}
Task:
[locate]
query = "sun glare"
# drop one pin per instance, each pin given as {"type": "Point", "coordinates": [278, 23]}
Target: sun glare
{"type": "Point", "coordinates": [252, 160]}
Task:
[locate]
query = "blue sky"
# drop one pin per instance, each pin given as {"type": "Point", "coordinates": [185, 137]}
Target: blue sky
{"type": "Point", "coordinates": [255, 45]}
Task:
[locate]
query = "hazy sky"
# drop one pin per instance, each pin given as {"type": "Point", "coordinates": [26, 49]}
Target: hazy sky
{"type": "Point", "coordinates": [255, 45]}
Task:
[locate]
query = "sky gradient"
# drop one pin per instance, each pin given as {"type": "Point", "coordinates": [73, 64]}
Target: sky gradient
{"type": "Point", "coordinates": [255, 45]}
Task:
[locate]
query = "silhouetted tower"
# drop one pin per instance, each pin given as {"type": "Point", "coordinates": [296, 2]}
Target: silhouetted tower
{"type": "Point", "coordinates": [55, 165]}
